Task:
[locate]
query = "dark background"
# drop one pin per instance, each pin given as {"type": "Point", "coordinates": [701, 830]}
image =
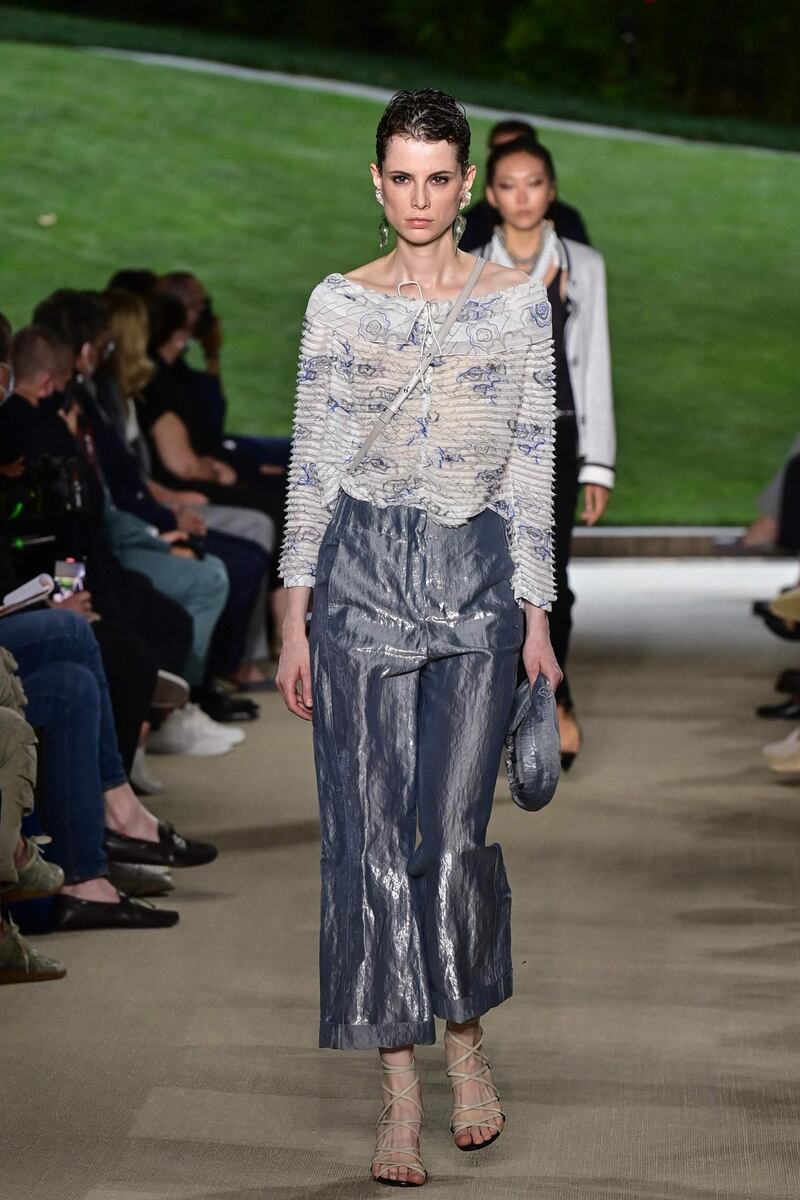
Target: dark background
{"type": "Point", "coordinates": [718, 57]}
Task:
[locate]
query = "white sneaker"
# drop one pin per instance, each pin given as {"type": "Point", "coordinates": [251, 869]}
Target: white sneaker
{"type": "Point", "coordinates": [206, 726]}
{"type": "Point", "coordinates": [788, 747]}
{"type": "Point", "coordinates": [141, 779]}
{"type": "Point", "coordinates": [179, 734]}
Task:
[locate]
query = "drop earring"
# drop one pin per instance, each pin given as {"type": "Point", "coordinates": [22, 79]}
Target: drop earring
{"type": "Point", "coordinates": [383, 228]}
{"type": "Point", "coordinates": [460, 223]}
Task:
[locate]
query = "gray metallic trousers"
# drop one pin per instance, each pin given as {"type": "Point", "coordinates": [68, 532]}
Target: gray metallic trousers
{"type": "Point", "coordinates": [415, 636]}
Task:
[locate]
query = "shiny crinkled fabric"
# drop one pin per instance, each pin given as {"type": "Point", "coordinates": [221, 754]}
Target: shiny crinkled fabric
{"type": "Point", "coordinates": [415, 637]}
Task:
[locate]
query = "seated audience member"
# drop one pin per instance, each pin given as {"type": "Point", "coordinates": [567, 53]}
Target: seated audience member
{"type": "Point", "coordinates": [24, 873]}
{"type": "Point", "coordinates": [165, 416]}
{"type": "Point", "coordinates": [131, 667]}
{"type": "Point", "coordinates": [242, 538]}
{"type": "Point", "coordinates": [130, 663]}
{"type": "Point", "coordinates": [32, 428]}
{"type": "Point", "coordinates": [481, 218]}
{"type": "Point", "coordinates": [196, 580]}
{"type": "Point", "coordinates": [779, 507]}
{"type": "Point", "coordinates": [209, 404]}
{"type": "Point", "coordinates": [87, 806]}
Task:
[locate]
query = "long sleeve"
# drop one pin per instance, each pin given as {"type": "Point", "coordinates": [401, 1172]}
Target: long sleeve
{"type": "Point", "coordinates": [122, 474]}
{"type": "Point", "coordinates": [306, 513]}
{"type": "Point", "coordinates": [530, 470]}
{"type": "Point", "coordinates": [598, 436]}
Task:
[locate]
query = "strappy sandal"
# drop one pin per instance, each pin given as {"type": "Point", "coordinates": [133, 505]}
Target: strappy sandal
{"type": "Point", "coordinates": [491, 1106]}
{"type": "Point", "coordinates": [398, 1156]}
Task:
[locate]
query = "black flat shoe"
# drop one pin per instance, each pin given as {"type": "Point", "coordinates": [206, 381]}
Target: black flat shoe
{"type": "Point", "coordinates": [789, 682]}
{"type": "Point", "coordinates": [568, 756]}
{"type": "Point", "coordinates": [222, 706]}
{"type": "Point", "coordinates": [788, 630]}
{"type": "Point", "coordinates": [171, 850]}
{"type": "Point", "coordinates": [136, 879]}
{"type": "Point", "coordinates": [71, 913]}
{"type": "Point", "coordinates": [788, 710]}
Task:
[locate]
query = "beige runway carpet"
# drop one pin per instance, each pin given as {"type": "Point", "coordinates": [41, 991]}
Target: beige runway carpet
{"type": "Point", "coordinates": [652, 1048]}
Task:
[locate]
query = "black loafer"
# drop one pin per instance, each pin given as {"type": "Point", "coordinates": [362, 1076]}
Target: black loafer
{"type": "Point", "coordinates": [136, 879]}
{"type": "Point", "coordinates": [222, 706]}
{"type": "Point", "coordinates": [171, 850]}
{"type": "Point", "coordinates": [788, 681]}
{"type": "Point", "coordinates": [71, 913]}
{"type": "Point", "coordinates": [788, 630]}
{"type": "Point", "coordinates": [788, 710]}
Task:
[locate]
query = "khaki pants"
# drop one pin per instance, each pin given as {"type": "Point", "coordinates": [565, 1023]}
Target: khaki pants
{"type": "Point", "coordinates": [17, 780]}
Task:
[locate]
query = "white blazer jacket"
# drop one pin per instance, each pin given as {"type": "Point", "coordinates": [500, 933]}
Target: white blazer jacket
{"type": "Point", "coordinates": [588, 356]}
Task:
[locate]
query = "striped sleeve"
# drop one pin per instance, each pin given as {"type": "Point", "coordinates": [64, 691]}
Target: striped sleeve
{"type": "Point", "coordinates": [530, 468]}
{"type": "Point", "coordinates": [306, 514]}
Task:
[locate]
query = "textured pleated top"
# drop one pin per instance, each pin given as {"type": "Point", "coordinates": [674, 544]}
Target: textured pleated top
{"type": "Point", "coordinates": [477, 432]}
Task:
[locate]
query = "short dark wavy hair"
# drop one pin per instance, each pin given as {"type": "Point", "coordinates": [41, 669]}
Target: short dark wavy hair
{"type": "Point", "coordinates": [427, 116]}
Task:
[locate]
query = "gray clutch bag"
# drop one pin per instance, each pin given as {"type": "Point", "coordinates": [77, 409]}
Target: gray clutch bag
{"type": "Point", "coordinates": [533, 748]}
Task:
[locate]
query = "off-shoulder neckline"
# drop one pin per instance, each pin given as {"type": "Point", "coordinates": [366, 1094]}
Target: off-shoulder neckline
{"type": "Point", "coordinates": [362, 287]}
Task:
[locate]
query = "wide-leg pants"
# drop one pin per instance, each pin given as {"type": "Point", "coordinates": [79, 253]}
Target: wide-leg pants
{"type": "Point", "coordinates": [415, 635]}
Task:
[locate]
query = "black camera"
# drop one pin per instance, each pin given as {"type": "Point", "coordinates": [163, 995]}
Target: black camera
{"type": "Point", "coordinates": [50, 488]}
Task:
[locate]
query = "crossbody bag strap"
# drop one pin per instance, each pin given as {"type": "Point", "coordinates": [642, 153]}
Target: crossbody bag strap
{"type": "Point", "coordinates": [401, 397]}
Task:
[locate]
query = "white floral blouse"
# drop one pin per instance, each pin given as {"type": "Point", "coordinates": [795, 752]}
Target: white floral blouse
{"type": "Point", "coordinates": [477, 432]}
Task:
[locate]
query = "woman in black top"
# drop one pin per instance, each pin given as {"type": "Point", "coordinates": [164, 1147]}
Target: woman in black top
{"type": "Point", "coordinates": [181, 453]}
{"type": "Point", "coordinates": [521, 187]}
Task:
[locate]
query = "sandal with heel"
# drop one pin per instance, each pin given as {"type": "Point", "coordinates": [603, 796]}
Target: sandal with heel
{"type": "Point", "coordinates": [398, 1156]}
{"type": "Point", "coordinates": [491, 1106]}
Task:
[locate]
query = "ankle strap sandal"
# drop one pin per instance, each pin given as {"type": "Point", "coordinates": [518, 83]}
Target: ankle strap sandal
{"type": "Point", "coordinates": [490, 1106]}
{"type": "Point", "coordinates": [398, 1156]}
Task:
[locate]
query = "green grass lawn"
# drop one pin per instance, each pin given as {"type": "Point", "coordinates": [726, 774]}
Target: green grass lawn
{"type": "Point", "coordinates": [263, 190]}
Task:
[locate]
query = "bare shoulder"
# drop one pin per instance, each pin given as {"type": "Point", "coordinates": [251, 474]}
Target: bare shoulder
{"type": "Point", "coordinates": [496, 278]}
{"type": "Point", "coordinates": [370, 275]}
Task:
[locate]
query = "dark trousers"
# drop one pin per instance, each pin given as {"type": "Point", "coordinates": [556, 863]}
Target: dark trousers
{"type": "Point", "coordinates": [246, 564]}
{"type": "Point", "coordinates": [131, 668]}
{"type": "Point", "coordinates": [69, 704]}
{"type": "Point", "coordinates": [164, 625]}
{"type": "Point", "coordinates": [789, 532]}
{"type": "Point", "coordinates": [566, 499]}
{"type": "Point", "coordinates": [266, 493]}
{"type": "Point", "coordinates": [271, 451]}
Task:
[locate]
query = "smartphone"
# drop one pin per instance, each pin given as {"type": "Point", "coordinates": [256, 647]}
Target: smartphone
{"type": "Point", "coordinates": [69, 574]}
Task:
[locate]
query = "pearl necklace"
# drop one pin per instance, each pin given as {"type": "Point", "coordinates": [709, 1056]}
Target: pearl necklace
{"type": "Point", "coordinates": [540, 261]}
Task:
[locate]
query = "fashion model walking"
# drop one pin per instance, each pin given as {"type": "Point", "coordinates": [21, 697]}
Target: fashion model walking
{"type": "Point", "coordinates": [521, 188]}
{"type": "Point", "coordinates": [426, 540]}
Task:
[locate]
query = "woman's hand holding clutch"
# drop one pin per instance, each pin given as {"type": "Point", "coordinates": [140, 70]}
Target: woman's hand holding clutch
{"type": "Point", "coordinates": [537, 653]}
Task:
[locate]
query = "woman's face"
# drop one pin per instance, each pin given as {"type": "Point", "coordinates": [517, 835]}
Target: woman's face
{"type": "Point", "coordinates": [521, 191]}
{"type": "Point", "coordinates": [423, 186]}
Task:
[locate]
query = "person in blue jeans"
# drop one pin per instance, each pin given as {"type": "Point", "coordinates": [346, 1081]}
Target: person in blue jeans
{"type": "Point", "coordinates": [87, 805]}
